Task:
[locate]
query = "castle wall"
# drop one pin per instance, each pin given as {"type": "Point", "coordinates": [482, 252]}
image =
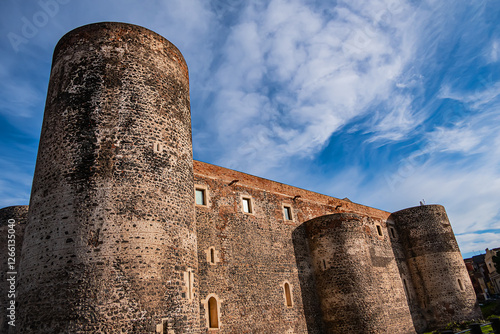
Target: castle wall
{"type": "Point", "coordinates": [257, 253]}
{"type": "Point", "coordinates": [441, 281]}
{"type": "Point", "coordinates": [13, 221]}
{"type": "Point", "coordinates": [111, 242]}
{"type": "Point", "coordinates": [115, 243]}
{"type": "Point", "coordinates": [357, 276]}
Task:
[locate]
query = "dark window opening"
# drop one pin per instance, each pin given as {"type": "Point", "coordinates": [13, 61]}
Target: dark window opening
{"type": "Point", "coordinates": [288, 295]}
{"type": "Point", "coordinates": [287, 212]}
{"type": "Point", "coordinates": [406, 288]}
{"type": "Point", "coordinates": [213, 317]}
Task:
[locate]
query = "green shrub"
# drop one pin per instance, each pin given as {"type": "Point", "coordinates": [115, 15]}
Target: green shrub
{"type": "Point", "coordinates": [490, 308]}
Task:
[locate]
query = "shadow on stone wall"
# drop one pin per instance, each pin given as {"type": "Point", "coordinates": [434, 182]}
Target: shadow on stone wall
{"type": "Point", "coordinates": [310, 300]}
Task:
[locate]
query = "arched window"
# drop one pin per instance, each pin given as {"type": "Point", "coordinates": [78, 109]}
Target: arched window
{"type": "Point", "coordinates": [288, 295]}
{"type": "Point", "coordinates": [213, 317]}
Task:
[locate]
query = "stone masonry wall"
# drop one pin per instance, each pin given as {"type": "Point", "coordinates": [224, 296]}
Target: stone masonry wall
{"type": "Point", "coordinates": [419, 321]}
{"type": "Point", "coordinates": [111, 233]}
{"type": "Point", "coordinates": [257, 253]}
{"type": "Point", "coordinates": [357, 276]}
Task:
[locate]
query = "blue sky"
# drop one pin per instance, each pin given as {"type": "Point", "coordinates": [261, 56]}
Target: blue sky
{"type": "Point", "coordinates": [384, 102]}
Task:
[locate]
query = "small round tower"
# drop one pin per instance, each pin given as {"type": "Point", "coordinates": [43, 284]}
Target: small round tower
{"type": "Point", "coordinates": [438, 272]}
{"type": "Point", "coordinates": [111, 241]}
{"type": "Point", "coordinates": [357, 277]}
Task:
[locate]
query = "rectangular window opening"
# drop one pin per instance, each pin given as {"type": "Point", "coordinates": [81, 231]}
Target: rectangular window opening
{"type": "Point", "coordinates": [247, 205]}
{"type": "Point", "coordinates": [200, 197]}
{"type": "Point", "coordinates": [287, 211]}
{"type": "Point", "coordinates": [379, 230]}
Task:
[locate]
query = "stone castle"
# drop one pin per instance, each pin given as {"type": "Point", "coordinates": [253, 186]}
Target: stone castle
{"type": "Point", "coordinates": [125, 233]}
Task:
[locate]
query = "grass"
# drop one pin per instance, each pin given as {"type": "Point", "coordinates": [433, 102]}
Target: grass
{"type": "Point", "coordinates": [490, 310]}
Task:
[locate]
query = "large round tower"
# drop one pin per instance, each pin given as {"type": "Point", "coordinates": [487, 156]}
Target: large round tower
{"type": "Point", "coordinates": [111, 242]}
{"type": "Point", "coordinates": [441, 281]}
{"type": "Point", "coordinates": [357, 277]}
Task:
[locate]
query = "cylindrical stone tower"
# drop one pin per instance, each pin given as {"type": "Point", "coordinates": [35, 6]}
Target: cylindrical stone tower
{"type": "Point", "coordinates": [111, 242]}
{"type": "Point", "coordinates": [441, 281]}
{"type": "Point", "coordinates": [357, 277]}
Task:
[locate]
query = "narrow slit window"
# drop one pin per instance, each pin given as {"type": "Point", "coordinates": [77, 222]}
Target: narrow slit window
{"type": "Point", "coordinates": [379, 230]}
{"type": "Point", "coordinates": [212, 255]}
{"type": "Point", "coordinates": [460, 285]}
{"type": "Point", "coordinates": [324, 264]}
{"type": "Point", "coordinates": [288, 295]}
{"type": "Point", "coordinates": [287, 211]}
{"type": "Point", "coordinates": [213, 316]}
{"type": "Point", "coordinates": [406, 288]}
{"type": "Point", "coordinates": [392, 233]}
{"type": "Point", "coordinates": [247, 205]}
{"type": "Point", "coordinates": [189, 284]}
{"type": "Point", "coordinates": [190, 278]}
{"type": "Point", "coordinates": [200, 196]}
{"type": "Point", "coordinates": [157, 147]}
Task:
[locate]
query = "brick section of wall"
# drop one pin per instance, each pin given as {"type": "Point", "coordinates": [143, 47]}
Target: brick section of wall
{"type": "Point", "coordinates": [20, 215]}
{"type": "Point", "coordinates": [441, 281]}
{"type": "Point", "coordinates": [111, 232]}
{"type": "Point", "coordinates": [307, 204]}
{"type": "Point", "coordinates": [357, 277]}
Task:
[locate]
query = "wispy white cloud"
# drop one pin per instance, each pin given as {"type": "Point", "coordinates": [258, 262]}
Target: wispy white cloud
{"type": "Point", "coordinates": [305, 75]}
{"type": "Point", "coordinates": [457, 167]}
{"type": "Point", "coordinates": [494, 51]}
{"type": "Point", "coordinates": [475, 244]}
